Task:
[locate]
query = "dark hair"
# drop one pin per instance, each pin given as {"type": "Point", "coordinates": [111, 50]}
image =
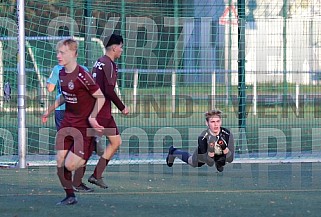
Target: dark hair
{"type": "Point", "coordinates": [113, 39]}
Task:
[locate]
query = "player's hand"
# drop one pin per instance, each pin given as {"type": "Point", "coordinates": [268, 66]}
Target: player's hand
{"type": "Point", "coordinates": [125, 111]}
{"type": "Point", "coordinates": [44, 117]}
{"type": "Point", "coordinates": [222, 144]}
{"type": "Point", "coordinates": [211, 150]}
{"type": "Point", "coordinates": [94, 124]}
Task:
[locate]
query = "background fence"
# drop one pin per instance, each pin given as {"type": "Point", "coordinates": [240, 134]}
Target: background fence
{"type": "Point", "coordinates": [180, 59]}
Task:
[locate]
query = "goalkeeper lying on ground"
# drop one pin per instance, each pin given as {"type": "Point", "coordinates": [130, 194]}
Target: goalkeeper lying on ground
{"type": "Point", "coordinates": [215, 145]}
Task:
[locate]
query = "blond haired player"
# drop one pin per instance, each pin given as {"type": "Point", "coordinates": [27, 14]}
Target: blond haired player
{"type": "Point", "coordinates": [83, 99]}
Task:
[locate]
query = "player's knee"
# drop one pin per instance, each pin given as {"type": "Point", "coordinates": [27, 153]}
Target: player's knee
{"type": "Point", "coordinates": [70, 166]}
{"type": "Point", "coordinates": [229, 157]}
{"type": "Point", "coordinates": [197, 164]}
{"type": "Point", "coordinates": [116, 143]}
{"type": "Point", "coordinates": [230, 160]}
{"type": "Point", "coordinates": [191, 162]}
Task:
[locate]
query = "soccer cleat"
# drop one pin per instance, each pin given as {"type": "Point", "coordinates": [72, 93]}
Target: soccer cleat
{"type": "Point", "coordinates": [219, 167]}
{"type": "Point", "coordinates": [82, 188]}
{"type": "Point", "coordinates": [99, 182]}
{"type": "Point", "coordinates": [68, 201]}
{"type": "Point", "coordinates": [170, 158]}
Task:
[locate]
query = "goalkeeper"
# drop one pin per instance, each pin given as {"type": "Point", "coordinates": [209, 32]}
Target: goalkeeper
{"type": "Point", "coordinates": [215, 145]}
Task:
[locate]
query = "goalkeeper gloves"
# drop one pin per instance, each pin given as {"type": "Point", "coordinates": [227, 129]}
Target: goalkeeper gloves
{"type": "Point", "coordinates": [222, 143]}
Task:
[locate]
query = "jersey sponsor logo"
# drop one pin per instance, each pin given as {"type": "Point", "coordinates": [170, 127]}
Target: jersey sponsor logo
{"type": "Point", "coordinates": [71, 85]}
{"type": "Point", "coordinates": [70, 97]}
{"type": "Point", "coordinates": [72, 100]}
{"type": "Point", "coordinates": [99, 65]}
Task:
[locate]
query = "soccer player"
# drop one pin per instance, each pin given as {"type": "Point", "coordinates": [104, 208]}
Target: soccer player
{"type": "Point", "coordinates": [83, 99]}
{"type": "Point", "coordinates": [52, 83]}
{"type": "Point", "coordinates": [105, 73]}
{"type": "Point", "coordinates": [215, 145]}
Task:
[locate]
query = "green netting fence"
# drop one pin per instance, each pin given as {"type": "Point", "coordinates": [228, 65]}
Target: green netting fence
{"type": "Point", "coordinates": [181, 58]}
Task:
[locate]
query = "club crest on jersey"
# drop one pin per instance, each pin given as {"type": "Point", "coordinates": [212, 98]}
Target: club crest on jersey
{"type": "Point", "coordinates": [71, 85]}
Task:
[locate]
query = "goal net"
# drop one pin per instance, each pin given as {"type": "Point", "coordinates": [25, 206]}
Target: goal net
{"type": "Point", "coordinates": [181, 58]}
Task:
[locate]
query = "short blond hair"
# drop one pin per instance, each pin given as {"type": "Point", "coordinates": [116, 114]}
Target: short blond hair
{"type": "Point", "coordinates": [70, 42]}
{"type": "Point", "coordinates": [212, 113]}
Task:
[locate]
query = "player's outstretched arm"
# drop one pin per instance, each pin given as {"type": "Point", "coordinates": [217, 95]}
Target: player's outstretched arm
{"type": "Point", "coordinates": [60, 100]}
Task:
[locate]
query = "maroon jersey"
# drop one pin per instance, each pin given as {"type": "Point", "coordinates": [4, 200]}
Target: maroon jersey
{"type": "Point", "coordinates": [105, 73]}
{"type": "Point", "coordinates": [77, 88]}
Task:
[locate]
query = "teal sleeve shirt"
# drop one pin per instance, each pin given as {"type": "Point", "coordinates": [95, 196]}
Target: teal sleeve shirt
{"type": "Point", "coordinates": [54, 79]}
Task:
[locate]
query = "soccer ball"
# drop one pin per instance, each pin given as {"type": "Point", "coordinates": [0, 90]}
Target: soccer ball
{"type": "Point", "coordinates": [218, 149]}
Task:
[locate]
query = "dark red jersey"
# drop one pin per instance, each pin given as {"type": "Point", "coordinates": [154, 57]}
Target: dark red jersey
{"type": "Point", "coordinates": [77, 88]}
{"type": "Point", "coordinates": [105, 73]}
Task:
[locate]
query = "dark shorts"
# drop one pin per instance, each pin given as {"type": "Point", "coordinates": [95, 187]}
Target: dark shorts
{"type": "Point", "coordinates": [59, 116]}
{"type": "Point", "coordinates": [110, 126]}
{"type": "Point", "coordinates": [76, 141]}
